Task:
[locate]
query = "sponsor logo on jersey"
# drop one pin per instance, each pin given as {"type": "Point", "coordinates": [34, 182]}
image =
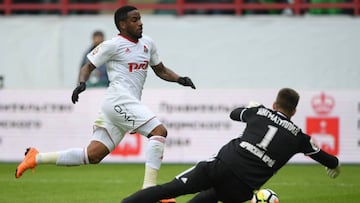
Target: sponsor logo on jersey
{"type": "Point", "coordinates": [122, 111]}
{"type": "Point", "coordinates": [138, 66]}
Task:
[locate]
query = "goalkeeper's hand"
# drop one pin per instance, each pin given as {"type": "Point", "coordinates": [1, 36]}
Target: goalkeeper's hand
{"type": "Point", "coordinates": [186, 81]}
{"type": "Point", "coordinates": [80, 88]}
{"type": "Point", "coordinates": [333, 173]}
{"type": "Point", "coordinates": [253, 104]}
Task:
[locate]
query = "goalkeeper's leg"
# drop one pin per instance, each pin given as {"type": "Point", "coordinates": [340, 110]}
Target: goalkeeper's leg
{"type": "Point", "coordinates": [157, 193]}
{"type": "Point", "coordinates": [208, 196]}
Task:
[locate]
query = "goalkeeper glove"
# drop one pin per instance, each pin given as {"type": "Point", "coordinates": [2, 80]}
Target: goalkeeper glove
{"type": "Point", "coordinates": [186, 81]}
{"type": "Point", "coordinates": [253, 104]}
{"type": "Point", "coordinates": [333, 173]}
{"type": "Point", "coordinates": [80, 88]}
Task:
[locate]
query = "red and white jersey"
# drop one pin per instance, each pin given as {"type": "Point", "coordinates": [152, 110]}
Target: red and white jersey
{"type": "Point", "coordinates": [126, 63]}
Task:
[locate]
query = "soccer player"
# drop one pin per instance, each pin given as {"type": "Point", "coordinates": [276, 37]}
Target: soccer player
{"type": "Point", "coordinates": [127, 57]}
{"type": "Point", "coordinates": [244, 164]}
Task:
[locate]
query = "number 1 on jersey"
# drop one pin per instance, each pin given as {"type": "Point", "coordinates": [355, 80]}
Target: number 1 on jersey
{"type": "Point", "coordinates": [268, 137]}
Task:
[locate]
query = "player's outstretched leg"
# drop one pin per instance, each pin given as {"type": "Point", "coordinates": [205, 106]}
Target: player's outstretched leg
{"type": "Point", "coordinates": [29, 161]}
{"type": "Point", "coordinates": [69, 157]}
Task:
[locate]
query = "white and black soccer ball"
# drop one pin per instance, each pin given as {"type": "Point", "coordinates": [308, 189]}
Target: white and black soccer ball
{"type": "Point", "coordinates": [265, 196]}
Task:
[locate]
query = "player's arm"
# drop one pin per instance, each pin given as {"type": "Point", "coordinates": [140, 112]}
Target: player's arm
{"type": "Point", "coordinates": [85, 71]}
{"type": "Point", "coordinates": [167, 74]}
{"type": "Point", "coordinates": [325, 159]}
{"type": "Point", "coordinates": [241, 113]}
{"type": "Point", "coordinates": [331, 163]}
{"type": "Point", "coordinates": [84, 75]}
{"type": "Point", "coordinates": [97, 57]}
{"type": "Point", "coordinates": [236, 114]}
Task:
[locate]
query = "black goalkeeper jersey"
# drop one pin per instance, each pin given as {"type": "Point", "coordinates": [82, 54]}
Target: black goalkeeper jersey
{"type": "Point", "coordinates": [269, 140]}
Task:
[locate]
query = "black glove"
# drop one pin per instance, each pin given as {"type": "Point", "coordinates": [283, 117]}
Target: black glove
{"type": "Point", "coordinates": [186, 81]}
{"type": "Point", "coordinates": [80, 88]}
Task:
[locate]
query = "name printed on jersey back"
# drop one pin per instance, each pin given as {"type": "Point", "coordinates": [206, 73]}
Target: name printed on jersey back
{"type": "Point", "coordinates": [277, 120]}
{"type": "Point", "coordinates": [258, 152]}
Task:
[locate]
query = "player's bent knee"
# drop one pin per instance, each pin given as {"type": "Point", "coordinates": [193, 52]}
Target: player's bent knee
{"type": "Point", "coordinates": [96, 152]}
{"type": "Point", "coordinates": [96, 157]}
{"type": "Point", "coordinates": [159, 130]}
{"type": "Point", "coordinates": [95, 160]}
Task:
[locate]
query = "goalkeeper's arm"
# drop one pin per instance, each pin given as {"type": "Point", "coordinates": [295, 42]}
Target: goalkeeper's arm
{"type": "Point", "coordinates": [237, 114]}
{"type": "Point", "coordinates": [330, 162]}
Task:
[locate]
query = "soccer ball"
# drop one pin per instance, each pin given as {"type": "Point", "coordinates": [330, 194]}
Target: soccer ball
{"type": "Point", "coordinates": [265, 196]}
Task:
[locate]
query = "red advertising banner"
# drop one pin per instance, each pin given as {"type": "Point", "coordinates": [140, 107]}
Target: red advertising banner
{"type": "Point", "coordinates": [323, 129]}
{"type": "Point", "coordinates": [131, 145]}
{"type": "Point", "coordinates": [325, 132]}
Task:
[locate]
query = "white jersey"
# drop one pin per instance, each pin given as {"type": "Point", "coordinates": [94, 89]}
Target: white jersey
{"type": "Point", "coordinates": [126, 62]}
{"type": "Point", "coordinates": [121, 110]}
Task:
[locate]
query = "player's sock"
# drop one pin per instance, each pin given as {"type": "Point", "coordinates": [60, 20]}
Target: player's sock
{"type": "Point", "coordinates": [150, 177]}
{"type": "Point", "coordinates": [154, 155]}
{"type": "Point", "coordinates": [47, 158]}
{"type": "Point", "coordinates": [70, 157]}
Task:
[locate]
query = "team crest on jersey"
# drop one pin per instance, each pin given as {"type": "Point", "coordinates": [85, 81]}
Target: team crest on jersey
{"type": "Point", "coordinates": [127, 50]}
{"type": "Point", "coordinates": [146, 50]}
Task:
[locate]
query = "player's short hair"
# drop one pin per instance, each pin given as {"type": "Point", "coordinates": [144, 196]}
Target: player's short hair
{"type": "Point", "coordinates": [287, 99]}
{"type": "Point", "coordinates": [121, 14]}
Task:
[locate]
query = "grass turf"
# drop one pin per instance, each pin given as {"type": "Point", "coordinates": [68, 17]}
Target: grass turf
{"type": "Point", "coordinates": [105, 183]}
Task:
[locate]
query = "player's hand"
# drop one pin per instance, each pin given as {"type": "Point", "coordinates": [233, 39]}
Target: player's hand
{"type": "Point", "coordinates": [80, 88]}
{"type": "Point", "coordinates": [253, 104]}
{"type": "Point", "coordinates": [186, 81]}
{"type": "Point", "coordinates": [333, 173]}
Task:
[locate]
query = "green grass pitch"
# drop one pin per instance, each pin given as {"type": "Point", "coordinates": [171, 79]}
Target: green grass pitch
{"type": "Point", "coordinates": [105, 183]}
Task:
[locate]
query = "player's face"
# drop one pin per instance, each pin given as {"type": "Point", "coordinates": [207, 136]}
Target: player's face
{"type": "Point", "coordinates": [134, 25]}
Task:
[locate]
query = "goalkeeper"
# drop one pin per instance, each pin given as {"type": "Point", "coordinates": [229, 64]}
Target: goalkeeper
{"type": "Point", "coordinates": [244, 164]}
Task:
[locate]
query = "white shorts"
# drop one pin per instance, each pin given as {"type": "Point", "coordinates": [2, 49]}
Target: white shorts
{"type": "Point", "coordinates": [122, 114]}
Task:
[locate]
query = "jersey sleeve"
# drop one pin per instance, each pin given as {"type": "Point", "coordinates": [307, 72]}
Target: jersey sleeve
{"type": "Point", "coordinates": [313, 151]}
{"type": "Point", "coordinates": [326, 159]}
{"type": "Point", "coordinates": [309, 146]}
{"type": "Point", "coordinates": [243, 114]}
{"type": "Point", "coordinates": [154, 56]}
{"type": "Point", "coordinates": [102, 53]}
{"type": "Point", "coordinates": [237, 113]}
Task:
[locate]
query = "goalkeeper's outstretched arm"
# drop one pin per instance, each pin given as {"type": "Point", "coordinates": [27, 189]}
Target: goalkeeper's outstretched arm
{"type": "Point", "coordinates": [331, 163]}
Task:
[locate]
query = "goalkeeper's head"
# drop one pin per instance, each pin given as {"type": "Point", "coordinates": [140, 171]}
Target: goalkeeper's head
{"type": "Point", "coordinates": [286, 101]}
